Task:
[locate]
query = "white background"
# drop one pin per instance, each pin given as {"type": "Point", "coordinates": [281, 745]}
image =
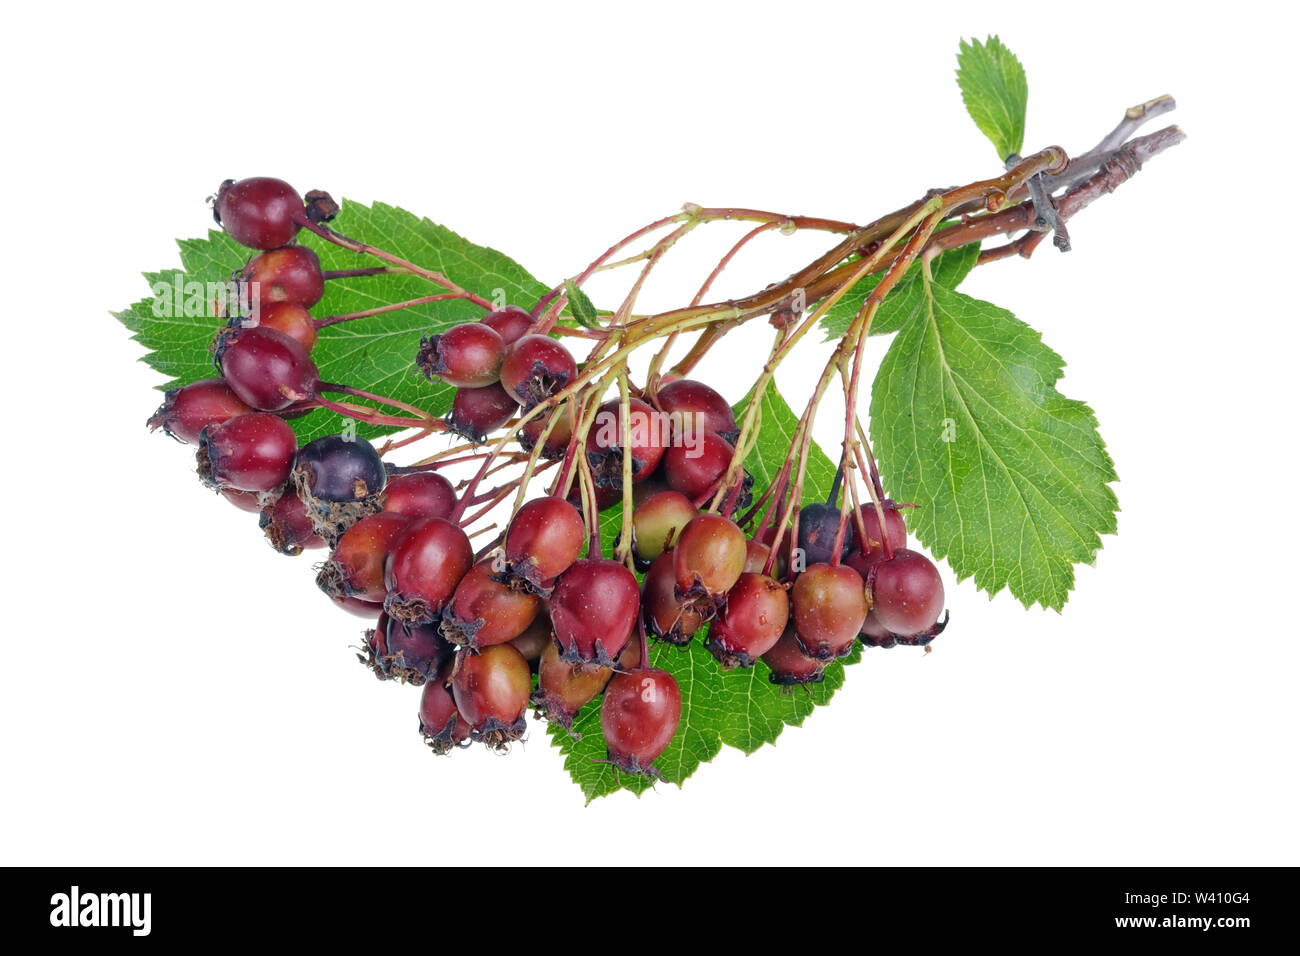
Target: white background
{"type": "Point", "coordinates": [173, 692]}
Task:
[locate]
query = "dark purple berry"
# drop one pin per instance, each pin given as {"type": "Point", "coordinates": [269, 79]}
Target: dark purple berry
{"type": "Point", "coordinates": [410, 653]}
{"type": "Point", "coordinates": [818, 524]}
{"type": "Point", "coordinates": [340, 468]}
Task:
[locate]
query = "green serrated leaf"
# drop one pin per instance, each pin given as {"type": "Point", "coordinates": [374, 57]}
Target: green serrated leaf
{"type": "Point", "coordinates": [583, 311]}
{"type": "Point", "coordinates": [949, 269]}
{"type": "Point", "coordinates": [739, 708]}
{"type": "Point", "coordinates": [1012, 477]}
{"type": "Point", "coordinates": [376, 353]}
{"type": "Point", "coordinates": [995, 91]}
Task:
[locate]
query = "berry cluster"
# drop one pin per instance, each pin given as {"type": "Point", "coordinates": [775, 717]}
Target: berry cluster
{"type": "Point", "coordinates": [538, 618]}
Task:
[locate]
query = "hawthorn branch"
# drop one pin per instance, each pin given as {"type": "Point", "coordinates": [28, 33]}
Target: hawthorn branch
{"type": "Point", "coordinates": [1135, 117]}
{"type": "Point", "coordinates": [1118, 168]}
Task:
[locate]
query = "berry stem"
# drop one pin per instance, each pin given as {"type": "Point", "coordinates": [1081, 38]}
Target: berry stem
{"type": "Point", "coordinates": [715, 332]}
{"type": "Point", "coordinates": [379, 310]}
{"type": "Point", "coordinates": [375, 418]}
{"type": "Point", "coordinates": [855, 342]}
{"type": "Point", "coordinates": [624, 550]}
{"type": "Point", "coordinates": [590, 511]}
{"type": "Point", "coordinates": [834, 494]}
{"type": "Point", "coordinates": [355, 245]}
{"type": "Point", "coordinates": [538, 446]}
{"type": "Point", "coordinates": [328, 274]}
{"type": "Point", "coordinates": [436, 423]}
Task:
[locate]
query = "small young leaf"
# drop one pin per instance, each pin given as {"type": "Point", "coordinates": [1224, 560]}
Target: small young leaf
{"type": "Point", "coordinates": [583, 311]}
{"type": "Point", "coordinates": [1012, 478]}
{"type": "Point", "coordinates": [740, 708]}
{"type": "Point", "coordinates": [949, 269]}
{"type": "Point", "coordinates": [995, 91]}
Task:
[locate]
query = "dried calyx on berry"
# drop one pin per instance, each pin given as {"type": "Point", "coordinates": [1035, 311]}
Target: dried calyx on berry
{"type": "Point", "coordinates": [594, 607]}
{"type": "Point", "coordinates": [252, 452]}
{"type": "Point", "coordinates": [320, 206]}
{"type": "Point", "coordinates": [288, 526]}
{"type": "Point", "coordinates": [186, 411]}
{"type": "Point", "coordinates": [545, 537]}
{"type": "Point", "coordinates": [648, 437]}
{"type": "Point", "coordinates": [491, 693]}
{"type": "Point", "coordinates": [340, 479]}
{"type": "Point", "coordinates": [467, 355]}
{"type": "Point", "coordinates": [423, 569]}
{"type": "Point", "coordinates": [708, 559]}
{"type": "Point", "coordinates": [789, 665]}
{"type": "Point", "coordinates": [639, 715]}
{"type": "Point", "coordinates": [477, 412]}
{"type": "Point", "coordinates": [410, 654]}
{"type": "Point", "coordinates": [536, 367]}
{"type": "Point", "coordinates": [441, 725]}
{"type": "Point", "coordinates": [484, 611]}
